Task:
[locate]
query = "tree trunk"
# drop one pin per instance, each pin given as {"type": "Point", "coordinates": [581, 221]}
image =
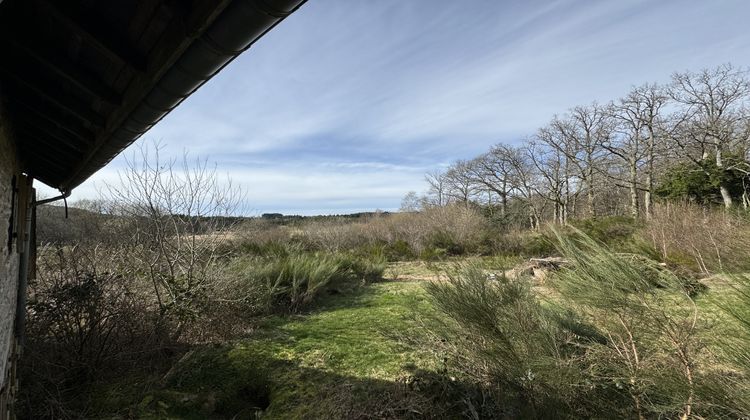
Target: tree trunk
{"type": "Point", "coordinates": [503, 203]}
{"type": "Point", "coordinates": [590, 185]}
{"type": "Point", "coordinates": [725, 195]}
{"type": "Point", "coordinates": [647, 197]}
{"type": "Point", "coordinates": [556, 214]}
{"type": "Point", "coordinates": [590, 200]}
{"type": "Point", "coordinates": [634, 210]}
{"type": "Point", "coordinates": [723, 186]}
{"type": "Point", "coordinates": [647, 200]}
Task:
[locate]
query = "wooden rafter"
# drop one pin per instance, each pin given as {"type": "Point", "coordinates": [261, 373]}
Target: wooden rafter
{"type": "Point", "coordinates": [64, 140]}
{"type": "Point", "coordinates": [56, 97]}
{"type": "Point", "coordinates": [66, 70]}
{"type": "Point", "coordinates": [122, 54]}
{"type": "Point", "coordinates": [51, 116]}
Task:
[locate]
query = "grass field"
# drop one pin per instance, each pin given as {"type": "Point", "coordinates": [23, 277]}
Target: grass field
{"type": "Point", "coordinates": [338, 360]}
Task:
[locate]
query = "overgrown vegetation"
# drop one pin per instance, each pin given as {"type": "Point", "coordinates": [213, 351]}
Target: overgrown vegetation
{"type": "Point", "coordinates": [645, 319]}
{"type": "Point", "coordinates": [620, 336]}
{"type": "Point", "coordinates": [155, 302]}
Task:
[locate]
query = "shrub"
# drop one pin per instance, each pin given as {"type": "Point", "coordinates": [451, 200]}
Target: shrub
{"type": "Point", "coordinates": [401, 236]}
{"type": "Point", "coordinates": [269, 249]}
{"type": "Point", "coordinates": [654, 350]}
{"type": "Point", "coordinates": [525, 243]}
{"type": "Point", "coordinates": [290, 282]}
{"type": "Point", "coordinates": [699, 182]}
{"type": "Point", "coordinates": [442, 240]}
{"type": "Point", "coordinates": [619, 337]}
{"type": "Point", "coordinates": [735, 340]}
{"type": "Point", "coordinates": [433, 254]}
{"type": "Point", "coordinates": [705, 240]}
{"type": "Point", "coordinates": [399, 250]}
{"type": "Point", "coordinates": [85, 323]}
{"type": "Point", "coordinates": [505, 338]}
{"type": "Point", "coordinates": [610, 230]}
{"type": "Point", "coordinates": [365, 269]}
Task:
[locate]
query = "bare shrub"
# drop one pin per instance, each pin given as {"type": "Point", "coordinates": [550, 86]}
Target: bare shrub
{"type": "Point", "coordinates": [460, 224]}
{"type": "Point", "coordinates": [134, 288]}
{"type": "Point", "coordinates": [259, 231]}
{"type": "Point", "coordinates": [706, 239]}
{"type": "Point", "coordinates": [177, 225]}
{"type": "Point", "coordinates": [86, 321]}
{"type": "Point", "coordinates": [452, 229]}
{"type": "Point", "coordinates": [334, 236]}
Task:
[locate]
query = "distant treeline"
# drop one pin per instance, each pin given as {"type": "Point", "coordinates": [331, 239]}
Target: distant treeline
{"type": "Point", "coordinates": [284, 219]}
{"type": "Point", "coordinates": [687, 139]}
{"type": "Point", "coordinates": [89, 219]}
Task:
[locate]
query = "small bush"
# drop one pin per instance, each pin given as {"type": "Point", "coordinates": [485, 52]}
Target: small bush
{"type": "Point", "coordinates": [291, 282]}
{"type": "Point", "coordinates": [433, 254]}
{"type": "Point", "coordinates": [86, 323]}
{"type": "Point", "coordinates": [735, 340]}
{"type": "Point", "coordinates": [399, 250]}
{"type": "Point", "coordinates": [445, 241]}
{"type": "Point", "coordinates": [365, 269]}
{"type": "Point", "coordinates": [654, 351]}
{"type": "Point", "coordinates": [525, 243]}
{"type": "Point", "coordinates": [505, 338]}
{"type": "Point", "coordinates": [610, 230]}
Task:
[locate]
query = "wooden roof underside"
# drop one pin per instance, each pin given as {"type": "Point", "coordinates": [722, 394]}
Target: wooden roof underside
{"type": "Point", "coordinates": [73, 71]}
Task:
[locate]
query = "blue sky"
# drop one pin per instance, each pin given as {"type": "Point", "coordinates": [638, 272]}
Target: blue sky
{"type": "Point", "coordinates": [346, 104]}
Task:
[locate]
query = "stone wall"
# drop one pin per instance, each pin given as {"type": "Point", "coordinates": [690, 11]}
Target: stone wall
{"type": "Point", "coordinates": [9, 262]}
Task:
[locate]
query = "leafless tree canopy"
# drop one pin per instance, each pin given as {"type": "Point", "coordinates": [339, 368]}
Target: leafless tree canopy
{"type": "Point", "coordinates": [608, 159]}
{"type": "Point", "coordinates": [175, 214]}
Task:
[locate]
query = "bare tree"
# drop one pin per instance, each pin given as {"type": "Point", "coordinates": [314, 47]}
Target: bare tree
{"type": "Point", "coordinates": [493, 170]}
{"type": "Point", "coordinates": [177, 211]}
{"type": "Point", "coordinates": [551, 165]}
{"type": "Point", "coordinates": [437, 187]}
{"type": "Point", "coordinates": [650, 100]}
{"type": "Point", "coordinates": [590, 129]}
{"type": "Point", "coordinates": [460, 186]}
{"type": "Point", "coordinates": [613, 155]}
{"type": "Point", "coordinates": [523, 178]}
{"type": "Point", "coordinates": [411, 202]}
{"type": "Point", "coordinates": [628, 144]}
{"type": "Point", "coordinates": [714, 113]}
{"type": "Point", "coordinates": [581, 135]}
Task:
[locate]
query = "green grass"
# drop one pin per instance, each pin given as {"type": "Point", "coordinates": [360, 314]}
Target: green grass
{"type": "Point", "coordinates": [337, 361]}
{"type": "Point", "coordinates": [354, 335]}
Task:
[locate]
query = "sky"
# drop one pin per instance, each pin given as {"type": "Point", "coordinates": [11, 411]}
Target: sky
{"type": "Point", "coordinates": [346, 104]}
